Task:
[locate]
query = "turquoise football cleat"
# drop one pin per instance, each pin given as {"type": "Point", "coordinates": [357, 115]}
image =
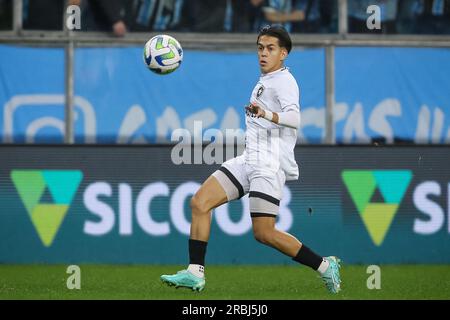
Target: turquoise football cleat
{"type": "Point", "coordinates": [331, 277]}
{"type": "Point", "coordinates": [186, 279]}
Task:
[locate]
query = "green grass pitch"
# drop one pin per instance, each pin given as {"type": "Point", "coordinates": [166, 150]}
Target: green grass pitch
{"type": "Point", "coordinates": [223, 282]}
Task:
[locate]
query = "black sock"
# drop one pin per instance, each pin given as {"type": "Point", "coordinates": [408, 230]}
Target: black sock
{"type": "Point", "coordinates": [197, 251]}
{"type": "Point", "coordinates": [308, 258]}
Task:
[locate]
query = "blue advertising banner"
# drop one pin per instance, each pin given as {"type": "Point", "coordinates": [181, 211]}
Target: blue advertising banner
{"type": "Point", "coordinates": [381, 93]}
{"type": "Point", "coordinates": [392, 93]}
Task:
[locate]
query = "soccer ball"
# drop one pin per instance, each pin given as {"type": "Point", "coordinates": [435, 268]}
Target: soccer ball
{"type": "Point", "coordinates": [163, 54]}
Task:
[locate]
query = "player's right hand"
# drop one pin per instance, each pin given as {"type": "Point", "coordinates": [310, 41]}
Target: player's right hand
{"type": "Point", "coordinates": [255, 111]}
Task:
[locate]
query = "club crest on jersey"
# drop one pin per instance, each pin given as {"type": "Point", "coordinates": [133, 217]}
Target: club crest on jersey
{"type": "Point", "coordinates": [260, 91]}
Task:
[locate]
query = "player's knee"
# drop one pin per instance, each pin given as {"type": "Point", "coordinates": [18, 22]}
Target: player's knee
{"type": "Point", "coordinates": [198, 205]}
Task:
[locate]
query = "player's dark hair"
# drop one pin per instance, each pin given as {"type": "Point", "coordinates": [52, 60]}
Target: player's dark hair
{"type": "Point", "coordinates": [278, 32]}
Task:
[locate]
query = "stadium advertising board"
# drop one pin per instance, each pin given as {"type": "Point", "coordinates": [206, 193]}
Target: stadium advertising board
{"type": "Point", "coordinates": [124, 204]}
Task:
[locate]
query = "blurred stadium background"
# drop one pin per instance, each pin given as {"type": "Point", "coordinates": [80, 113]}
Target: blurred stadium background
{"type": "Point", "coordinates": [86, 176]}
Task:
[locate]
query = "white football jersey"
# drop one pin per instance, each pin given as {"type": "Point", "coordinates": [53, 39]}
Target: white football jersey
{"type": "Point", "coordinates": [269, 146]}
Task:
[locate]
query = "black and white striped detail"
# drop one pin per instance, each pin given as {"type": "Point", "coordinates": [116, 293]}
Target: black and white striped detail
{"type": "Point", "coordinates": [229, 183]}
{"type": "Point", "coordinates": [263, 205]}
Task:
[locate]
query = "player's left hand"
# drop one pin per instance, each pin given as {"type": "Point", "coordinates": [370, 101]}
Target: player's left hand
{"type": "Point", "coordinates": [255, 111]}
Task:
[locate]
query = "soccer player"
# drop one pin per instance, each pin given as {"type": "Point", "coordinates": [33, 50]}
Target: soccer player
{"type": "Point", "coordinates": [272, 120]}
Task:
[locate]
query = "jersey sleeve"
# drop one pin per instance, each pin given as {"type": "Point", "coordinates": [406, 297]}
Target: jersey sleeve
{"type": "Point", "coordinates": [288, 95]}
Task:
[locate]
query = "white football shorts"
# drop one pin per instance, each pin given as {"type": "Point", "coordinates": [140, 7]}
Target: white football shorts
{"type": "Point", "coordinates": [265, 190]}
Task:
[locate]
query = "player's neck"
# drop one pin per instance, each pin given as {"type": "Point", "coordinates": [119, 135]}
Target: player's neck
{"type": "Point", "coordinates": [275, 70]}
